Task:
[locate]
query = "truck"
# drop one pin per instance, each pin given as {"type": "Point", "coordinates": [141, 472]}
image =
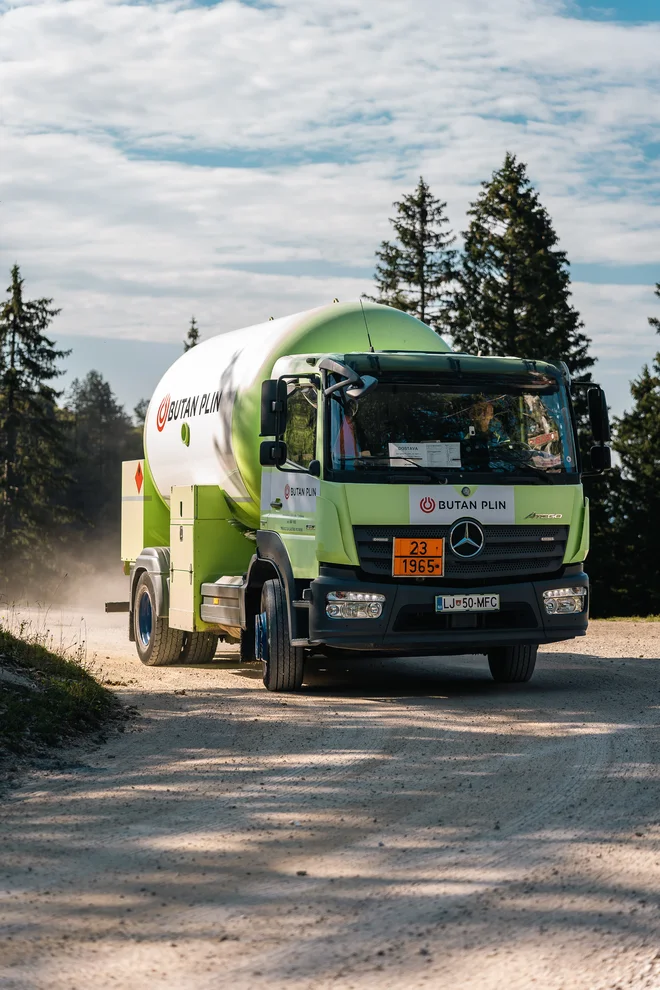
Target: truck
{"type": "Point", "coordinates": [340, 482]}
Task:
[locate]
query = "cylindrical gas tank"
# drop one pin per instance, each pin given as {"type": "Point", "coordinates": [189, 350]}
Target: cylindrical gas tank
{"type": "Point", "coordinates": [203, 421]}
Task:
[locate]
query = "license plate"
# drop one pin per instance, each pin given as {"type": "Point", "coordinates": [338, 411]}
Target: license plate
{"type": "Point", "coordinates": [418, 558]}
{"type": "Point", "coordinates": [467, 603]}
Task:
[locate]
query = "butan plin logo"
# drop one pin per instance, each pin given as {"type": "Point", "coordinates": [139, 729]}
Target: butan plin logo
{"type": "Point", "coordinates": [427, 504]}
{"type": "Point", "coordinates": [192, 405]}
{"type": "Point", "coordinates": [161, 415]}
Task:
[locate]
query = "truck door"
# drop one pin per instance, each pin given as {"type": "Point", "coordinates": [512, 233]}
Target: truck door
{"type": "Point", "coordinates": [288, 495]}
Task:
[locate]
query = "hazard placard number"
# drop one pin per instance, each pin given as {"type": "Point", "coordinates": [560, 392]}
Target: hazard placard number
{"type": "Point", "coordinates": [418, 558]}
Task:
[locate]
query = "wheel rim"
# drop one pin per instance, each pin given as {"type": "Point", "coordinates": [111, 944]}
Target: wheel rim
{"type": "Point", "coordinates": [261, 636]}
{"type": "Point", "coordinates": [145, 619]}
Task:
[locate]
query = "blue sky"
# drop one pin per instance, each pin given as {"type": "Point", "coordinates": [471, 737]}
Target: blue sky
{"type": "Point", "coordinates": [634, 11]}
{"type": "Point", "coordinates": [239, 160]}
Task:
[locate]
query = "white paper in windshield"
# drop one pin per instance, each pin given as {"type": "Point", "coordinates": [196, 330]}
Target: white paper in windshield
{"type": "Point", "coordinates": [441, 455]}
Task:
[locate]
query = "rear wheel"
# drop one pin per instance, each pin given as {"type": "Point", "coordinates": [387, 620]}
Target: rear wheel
{"type": "Point", "coordinates": [199, 647]}
{"type": "Point", "coordinates": [283, 663]}
{"type": "Point", "coordinates": [157, 644]}
{"type": "Point", "coordinates": [512, 664]}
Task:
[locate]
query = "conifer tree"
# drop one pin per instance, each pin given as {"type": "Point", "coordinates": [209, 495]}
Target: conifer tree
{"type": "Point", "coordinates": [513, 287]}
{"type": "Point", "coordinates": [637, 442]}
{"type": "Point", "coordinates": [33, 461]}
{"type": "Point", "coordinates": [414, 271]}
{"type": "Point", "coordinates": [140, 412]}
{"type": "Point", "coordinates": [101, 436]}
{"type": "Point", "coordinates": [192, 337]}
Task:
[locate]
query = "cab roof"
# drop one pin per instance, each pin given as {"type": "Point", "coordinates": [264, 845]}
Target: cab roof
{"type": "Point", "coordinates": [448, 363]}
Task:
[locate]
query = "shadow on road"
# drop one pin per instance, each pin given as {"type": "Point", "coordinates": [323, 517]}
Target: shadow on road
{"type": "Point", "coordinates": [414, 795]}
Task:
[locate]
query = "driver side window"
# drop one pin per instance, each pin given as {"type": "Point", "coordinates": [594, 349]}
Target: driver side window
{"type": "Point", "coordinates": [300, 434]}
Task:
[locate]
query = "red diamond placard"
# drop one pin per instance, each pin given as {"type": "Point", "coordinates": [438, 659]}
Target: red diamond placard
{"type": "Point", "coordinates": [139, 477]}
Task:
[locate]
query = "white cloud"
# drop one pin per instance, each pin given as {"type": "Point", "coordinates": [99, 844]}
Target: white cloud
{"type": "Point", "coordinates": [316, 116]}
{"type": "Point", "coordinates": [621, 314]}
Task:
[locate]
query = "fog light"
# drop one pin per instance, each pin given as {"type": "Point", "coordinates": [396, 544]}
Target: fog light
{"type": "Point", "coordinates": [354, 605]}
{"type": "Point", "coordinates": [564, 601]}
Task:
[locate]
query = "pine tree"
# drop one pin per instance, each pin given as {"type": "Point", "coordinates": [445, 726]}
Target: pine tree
{"type": "Point", "coordinates": [415, 271]}
{"type": "Point", "coordinates": [101, 436]}
{"type": "Point", "coordinates": [637, 442]}
{"type": "Point", "coordinates": [140, 412]}
{"type": "Point", "coordinates": [513, 288]}
{"type": "Point", "coordinates": [192, 337]}
{"type": "Point", "coordinates": [33, 462]}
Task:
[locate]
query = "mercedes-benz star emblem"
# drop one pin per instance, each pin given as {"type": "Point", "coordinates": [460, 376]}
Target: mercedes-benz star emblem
{"type": "Point", "coordinates": [466, 538]}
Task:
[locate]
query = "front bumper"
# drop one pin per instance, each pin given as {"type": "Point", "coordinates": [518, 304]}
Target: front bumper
{"type": "Point", "coordinates": [409, 623]}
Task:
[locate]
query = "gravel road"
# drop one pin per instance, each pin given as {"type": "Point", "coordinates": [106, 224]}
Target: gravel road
{"type": "Point", "coordinates": [401, 824]}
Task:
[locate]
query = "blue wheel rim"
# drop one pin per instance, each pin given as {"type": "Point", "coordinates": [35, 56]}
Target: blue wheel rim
{"type": "Point", "coordinates": [145, 619]}
{"type": "Point", "coordinates": [261, 636]}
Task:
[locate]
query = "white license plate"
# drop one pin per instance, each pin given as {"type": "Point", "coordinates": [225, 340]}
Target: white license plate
{"type": "Point", "coordinates": [467, 603]}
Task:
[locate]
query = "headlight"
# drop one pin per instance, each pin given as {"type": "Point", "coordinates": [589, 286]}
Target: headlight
{"type": "Point", "coordinates": [564, 601]}
{"type": "Point", "coordinates": [354, 605]}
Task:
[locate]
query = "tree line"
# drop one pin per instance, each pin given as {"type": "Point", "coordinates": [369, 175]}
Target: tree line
{"type": "Point", "coordinates": [503, 289]}
{"type": "Point", "coordinates": [60, 452]}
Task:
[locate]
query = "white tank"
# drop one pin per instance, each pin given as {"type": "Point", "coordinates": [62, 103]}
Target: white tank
{"type": "Point", "coordinates": [203, 422]}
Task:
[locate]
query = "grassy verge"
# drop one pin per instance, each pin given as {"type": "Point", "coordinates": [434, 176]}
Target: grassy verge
{"type": "Point", "coordinates": [47, 699]}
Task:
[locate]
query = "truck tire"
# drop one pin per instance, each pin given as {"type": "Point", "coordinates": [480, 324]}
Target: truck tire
{"type": "Point", "coordinates": [283, 663]}
{"type": "Point", "coordinates": [512, 664]}
{"type": "Point", "coordinates": [157, 645]}
{"type": "Point", "coordinates": [199, 647]}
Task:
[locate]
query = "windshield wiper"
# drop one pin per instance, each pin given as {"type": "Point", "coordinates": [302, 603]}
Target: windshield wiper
{"type": "Point", "coordinates": [537, 472]}
{"type": "Point", "coordinates": [429, 472]}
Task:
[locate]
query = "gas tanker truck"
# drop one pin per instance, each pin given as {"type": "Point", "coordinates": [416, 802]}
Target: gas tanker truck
{"type": "Point", "coordinates": [340, 482]}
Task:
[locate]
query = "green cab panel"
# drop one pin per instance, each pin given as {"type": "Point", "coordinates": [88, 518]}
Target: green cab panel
{"type": "Point", "coordinates": [316, 518]}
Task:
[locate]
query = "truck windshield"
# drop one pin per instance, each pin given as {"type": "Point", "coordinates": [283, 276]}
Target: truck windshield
{"type": "Point", "coordinates": [493, 430]}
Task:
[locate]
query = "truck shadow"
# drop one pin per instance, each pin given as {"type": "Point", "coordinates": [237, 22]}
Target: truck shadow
{"type": "Point", "coordinates": [362, 675]}
{"type": "Point", "coordinates": [423, 677]}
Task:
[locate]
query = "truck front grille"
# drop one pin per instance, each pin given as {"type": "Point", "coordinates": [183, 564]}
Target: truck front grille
{"type": "Point", "coordinates": [509, 552]}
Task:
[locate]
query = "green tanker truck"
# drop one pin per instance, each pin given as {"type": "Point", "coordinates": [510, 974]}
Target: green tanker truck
{"type": "Point", "coordinates": [341, 481]}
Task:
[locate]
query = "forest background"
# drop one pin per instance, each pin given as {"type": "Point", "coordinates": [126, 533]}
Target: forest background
{"type": "Point", "coordinates": [500, 287]}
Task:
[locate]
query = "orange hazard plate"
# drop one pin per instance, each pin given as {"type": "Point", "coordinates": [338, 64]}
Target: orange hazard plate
{"type": "Point", "coordinates": [418, 558]}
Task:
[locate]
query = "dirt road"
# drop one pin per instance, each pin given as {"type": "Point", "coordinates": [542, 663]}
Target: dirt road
{"type": "Point", "coordinates": [403, 824]}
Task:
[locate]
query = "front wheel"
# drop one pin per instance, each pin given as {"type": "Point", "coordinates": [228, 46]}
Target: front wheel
{"type": "Point", "coordinates": [283, 663]}
{"type": "Point", "coordinates": [512, 664]}
{"type": "Point", "coordinates": [157, 644]}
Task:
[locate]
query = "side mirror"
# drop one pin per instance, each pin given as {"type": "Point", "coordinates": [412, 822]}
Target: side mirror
{"type": "Point", "coordinates": [315, 469]}
{"type": "Point", "coordinates": [273, 408]}
{"type": "Point", "coordinates": [357, 392]}
{"type": "Point", "coordinates": [601, 459]}
{"type": "Point", "coordinates": [272, 453]}
{"type": "Point", "coordinates": [598, 415]}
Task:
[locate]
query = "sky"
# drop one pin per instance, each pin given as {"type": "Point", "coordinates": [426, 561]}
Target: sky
{"type": "Point", "coordinates": [238, 160]}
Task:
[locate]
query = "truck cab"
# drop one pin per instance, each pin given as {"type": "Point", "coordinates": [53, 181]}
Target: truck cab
{"type": "Point", "coordinates": [420, 503]}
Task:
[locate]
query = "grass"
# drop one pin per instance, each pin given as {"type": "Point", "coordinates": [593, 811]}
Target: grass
{"type": "Point", "coordinates": [48, 698]}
